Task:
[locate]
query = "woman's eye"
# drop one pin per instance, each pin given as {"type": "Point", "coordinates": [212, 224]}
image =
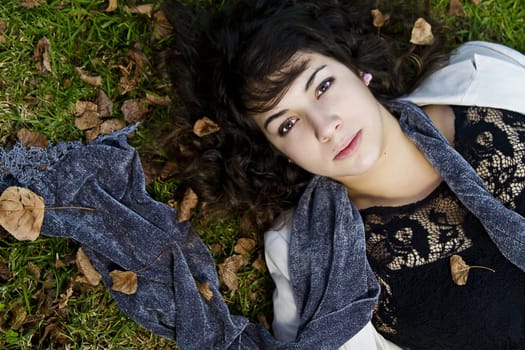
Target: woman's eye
{"type": "Point", "coordinates": [323, 87]}
{"type": "Point", "coordinates": [287, 125]}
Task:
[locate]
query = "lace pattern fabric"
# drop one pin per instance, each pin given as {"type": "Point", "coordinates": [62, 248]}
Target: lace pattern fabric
{"type": "Point", "coordinates": [410, 245]}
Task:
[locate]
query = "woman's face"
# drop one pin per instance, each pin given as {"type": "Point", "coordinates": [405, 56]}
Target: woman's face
{"type": "Point", "coordinates": [328, 122]}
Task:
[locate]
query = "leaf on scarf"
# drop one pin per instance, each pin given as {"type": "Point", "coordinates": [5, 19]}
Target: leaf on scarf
{"type": "Point", "coordinates": [456, 8]}
{"type": "Point", "coordinates": [229, 268]}
{"type": "Point", "coordinates": [94, 80]}
{"type": "Point", "coordinates": [32, 139]}
{"type": "Point", "coordinates": [189, 202]}
{"type": "Point", "coordinates": [244, 246]}
{"type": "Point", "coordinates": [205, 126]}
{"type": "Point", "coordinates": [422, 33]}
{"type": "Point", "coordinates": [460, 270]}
{"type": "Point", "coordinates": [21, 213]}
{"type": "Point", "coordinates": [86, 268]}
{"type": "Point", "coordinates": [112, 6]}
{"type": "Point", "coordinates": [124, 281]}
{"type": "Point", "coordinates": [379, 19]}
{"type": "Point", "coordinates": [205, 290]}
{"type": "Point", "coordinates": [135, 110]}
{"type": "Point", "coordinates": [144, 9]}
{"type": "Point", "coordinates": [42, 56]}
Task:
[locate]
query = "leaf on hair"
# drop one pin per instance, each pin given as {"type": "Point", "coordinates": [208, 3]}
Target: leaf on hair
{"type": "Point", "coordinates": [205, 126]}
{"type": "Point", "coordinates": [189, 202]}
{"type": "Point", "coordinates": [422, 33]}
{"type": "Point", "coordinates": [379, 19]}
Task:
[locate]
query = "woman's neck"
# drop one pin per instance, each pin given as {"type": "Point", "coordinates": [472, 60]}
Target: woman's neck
{"type": "Point", "coordinates": [402, 175]}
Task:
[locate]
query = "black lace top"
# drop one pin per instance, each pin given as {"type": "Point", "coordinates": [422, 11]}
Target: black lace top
{"type": "Point", "coordinates": [409, 248]}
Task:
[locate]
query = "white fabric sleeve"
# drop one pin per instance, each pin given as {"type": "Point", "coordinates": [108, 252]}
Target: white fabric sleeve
{"type": "Point", "coordinates": [286, 319]}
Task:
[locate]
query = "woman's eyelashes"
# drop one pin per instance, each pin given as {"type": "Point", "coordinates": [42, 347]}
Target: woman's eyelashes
{"type": "Point", "coordinates": [323, 87]}
{"type": "Point", "coordinates": [287, 125]}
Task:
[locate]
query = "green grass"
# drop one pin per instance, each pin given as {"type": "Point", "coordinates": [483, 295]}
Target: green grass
{"type": "Point", "coordinates": [83, 35]}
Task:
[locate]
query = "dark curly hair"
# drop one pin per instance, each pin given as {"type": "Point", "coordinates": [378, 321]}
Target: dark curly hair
{"type": "Point", "coordinates": [232, 61]}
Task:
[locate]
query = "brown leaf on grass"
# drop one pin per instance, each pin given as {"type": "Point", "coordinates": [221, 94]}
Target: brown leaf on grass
{"type": "Point", "coordinates": [259, 264]}
{"type": "Point", "coordinates": [32, 139]}
{"type": "Point", "coordinates": [21, 213]}
{"type": "Point", "coordinates": [456, 8]}
{"type": "Point", "coordinates": [42, 57]}
{"type": "Point", "coordinates": [34, 270]}
{"type": "Point", "coordinates": [83, 106]}
{"type": "Point", "coordinates": [189, 202]}
{"type": "Point", "coordinates": [422, 33]}
{"type": "Point", "coordinates": [379, 19]}
{"type": "Point", "coordinates": [31, 3]}
{"type": "Point", "coordinates": [205, 126]}
{"type": "Point", "coordinates": [134, 110]}
{"type": "Point", "coordinates": [104, 104]}
{"type": "Point", "coordinates": [112, 6]}
{"type": "Point", "coordinates": [3, 26]}
{"type": "Point", "coordinates": [460, 270]}
{"type": "Point", "coordinates": [158, 100]}
{"type": "Point", "coordinates": [161, 25]}
{"type": "Point", "coordinates": [205, 290]}
{"type": "Point", "coordinates": [229, 268]}
{"type": "Point", "coordinates": [244, 246]}
{"type": "Point", "coordinates": [475, 2]}
{"type": "Point", "coordinates": [86, 268]}
{"type": "Point", "coordinates": [144, 9]}
{"type": "Point", "coordinates": [95, 80]}
{"type": "Point", "coordinates": [111, 125]}
{"type": "Point", "coordinates": [168, 170]}
{"type": "Point", "coordinates": [5, 273]}
{"type": "Point", "coordinates": [88, 120]}
{"type": "Point", "coordinates": [64, 297]}
{"type": "Point", "coordinates": [124, 281]}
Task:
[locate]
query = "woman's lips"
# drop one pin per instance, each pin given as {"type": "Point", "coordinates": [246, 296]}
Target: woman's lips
{"type": "Point", "coordinates": [350, 148]}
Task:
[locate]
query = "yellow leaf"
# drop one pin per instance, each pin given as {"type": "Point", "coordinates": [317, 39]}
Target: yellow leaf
{"type": "Point", "coordinates": [422, 33]}
{"type": "Point", "coordinates": [112, 6]}
{"type": "Point", "coordinates": [379, 19]}
{"type": "Point", "coordinates": [460, 270]}
{"type": "Point", "coordinates": [205, 290]}
{"type": "Point", "coordinates": [86, 268]}
{"type": "Point", "coordinates": [124, 281]}
{"type": "Point", "coordinates": [21, 213]}
{"type": "Point", "coordinates": [189, 202]}
{"type": "Point", "coordinates": [205, 126]}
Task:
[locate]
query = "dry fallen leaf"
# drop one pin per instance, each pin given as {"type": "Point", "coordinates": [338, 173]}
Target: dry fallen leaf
{"type": "Point", "coordinates": [112, 6]}
{"type": "Point", "coordinates": [228, 270]}
{"type": "Point", "coordinates": [31, 3]}
{"type": "Point", "coordinates": [259, 264]}
{"type": "Point", "coordinates": [135, 110]}
{"type": "Point", "coordinates": [64, 298]}
{"type": "Point", "coordinates": [95, 80]}
{"type": "Point", "coordinates": [21, 213]}
{"type": "Point", "coordinates": [205, 126]}
{"type": "Point", "coordinates": [42, 56]}
{"type": "Point", "coordinates": [88, 120]}
{"type": "Point", "coordinates": [475, 2]}
{"type": "Point", "coordinates": [144, 9]}
{"type": "Point", "coordinates": [83, 106]}
{"type": "Point", "coordinates": [124, 281]}
{"type": "Point", "coordinates": [422, 33]}
{"type": "Point", "coordinates": [5, 273]}
{"type": "Point", "coordinates": [189, 202]}
{"type": "Point", "coordinates": [111, 125]}
{"type": "Point", "coordinates": [104, 104]}
{"type": "Point", "coordinates": [460, 270]}
{"type": "Point", "coordinates": [244, 246]}
{"type": "Point", "coordinates": [86, 268]}
{"type": "Point", "coordinates": [161, 25]}
{"type": "Point", "coordinates": [205, 290]}
{"type": "Point", "coordinates": [32, 139]}
{"type": "Point", "coordinates": [379, 19]}
{"type": "Point", "coordinates": [456, 8]}
{"type": "Point", "coordinates": [158, 100]}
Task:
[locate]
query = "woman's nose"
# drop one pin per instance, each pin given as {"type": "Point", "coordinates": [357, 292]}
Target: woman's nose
{"type": "Point", "coordinates": [325, 126]}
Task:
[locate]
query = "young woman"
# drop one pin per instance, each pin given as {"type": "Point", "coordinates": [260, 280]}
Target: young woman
{"type": "Point", "coordinates": [314, 131]}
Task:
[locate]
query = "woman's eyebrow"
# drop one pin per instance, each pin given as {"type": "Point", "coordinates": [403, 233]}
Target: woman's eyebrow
{"type": "Point", "coordinates": [312, 77]}
{"type": "Point", "coordinates": [274, 116]}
